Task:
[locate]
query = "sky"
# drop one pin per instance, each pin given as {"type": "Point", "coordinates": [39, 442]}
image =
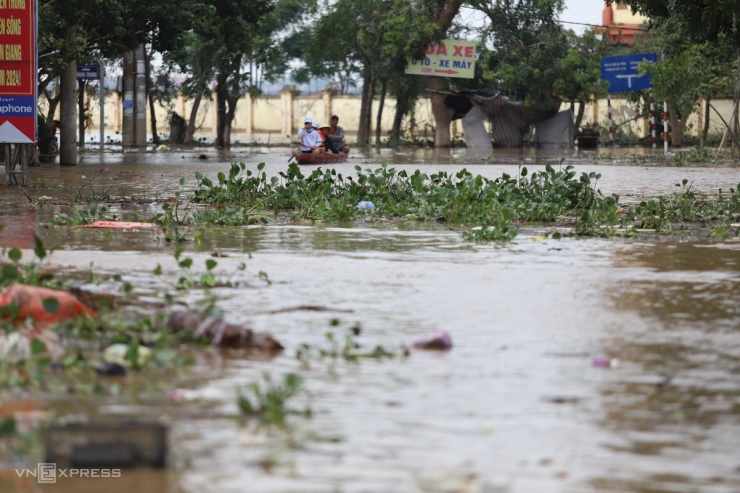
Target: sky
{"type": "Point", "coordinates": [584, 11]}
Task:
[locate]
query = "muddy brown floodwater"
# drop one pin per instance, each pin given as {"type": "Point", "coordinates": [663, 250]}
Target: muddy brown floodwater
{"type": "Point", "coordinates": [516, 406]}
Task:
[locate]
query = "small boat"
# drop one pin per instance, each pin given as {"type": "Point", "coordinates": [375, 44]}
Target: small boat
{"type": "Point", "coordinates": [319, 157]}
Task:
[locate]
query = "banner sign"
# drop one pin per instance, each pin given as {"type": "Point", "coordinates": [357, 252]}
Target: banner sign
{"type": "Point", "coordinates": [450, 58]}
{"type": "Point", "coordinates": [621, 72]}
{"type": "Point", "coordinates": [18, 71]}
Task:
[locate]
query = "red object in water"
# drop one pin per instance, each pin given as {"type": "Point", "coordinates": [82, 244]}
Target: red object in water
{"type": "Point", "coordinates": [119, 224]}
{"type": "Point", "coordinates": [30, 303]}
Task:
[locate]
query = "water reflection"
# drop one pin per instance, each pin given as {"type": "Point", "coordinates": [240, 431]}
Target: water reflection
{"type": "Point", "coordinates": [515, 407]}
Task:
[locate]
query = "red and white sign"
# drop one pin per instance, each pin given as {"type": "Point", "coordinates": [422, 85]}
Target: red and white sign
{"type": "Point", "coordinates": [18, 71]}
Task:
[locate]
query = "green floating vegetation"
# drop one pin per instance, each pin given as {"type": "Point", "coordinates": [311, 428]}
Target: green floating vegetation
{"type": "Point", "coordinates": [485, 209]}
{"type": "Point", "coordinates": [269, 401]}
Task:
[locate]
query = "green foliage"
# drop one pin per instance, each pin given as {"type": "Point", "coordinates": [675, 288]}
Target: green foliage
{"type": "Point", "coordinates": [347, 348]}
{"type": "Point", "coordinates": [269, 401]}
{"type": "Point", "coordinates": [484, 209]}
{"type": "Point", "coordinates": [190, 280]}
{"type": "Point", "coordinates": [528, 44]}
{"type": "Point", "coordinates": [580, 68]}
{"type": "Point", "coordinates": [12, 270]}
{"type": "Point", "coordinates": [702, 20]}
{"type": "Point", "coordinates": [85, 215]}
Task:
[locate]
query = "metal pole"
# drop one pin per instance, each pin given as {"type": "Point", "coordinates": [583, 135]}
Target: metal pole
{"type": "Point", "coordinates": [652, 122]}
{"type": "Point", "coordinates": [102, 103]}
{"type": "Point", "coordinates": [140, 94]}
{"type": "Point", "coordinates": [611, 122]}
{"type": "Point", "coordinates": [128, 100]}
{"type": "Point", "coordinates": [665, 127]}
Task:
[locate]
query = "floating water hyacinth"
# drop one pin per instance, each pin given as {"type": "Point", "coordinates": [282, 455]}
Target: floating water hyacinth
{"type": "Point", "coordinates": [365, 204]}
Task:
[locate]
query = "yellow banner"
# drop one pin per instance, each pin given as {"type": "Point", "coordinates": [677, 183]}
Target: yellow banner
{"type": "Point", "coordinates": [450, 58]}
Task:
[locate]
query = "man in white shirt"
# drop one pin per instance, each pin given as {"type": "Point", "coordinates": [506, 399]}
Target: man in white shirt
{"type": "Point", "coordinates": [309, 140]}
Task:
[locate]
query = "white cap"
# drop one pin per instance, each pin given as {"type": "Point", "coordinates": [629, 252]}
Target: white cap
{"type": "Point", "coordinates": [316, 124]}
{"type": "Point", "coordinates": [307, 120]}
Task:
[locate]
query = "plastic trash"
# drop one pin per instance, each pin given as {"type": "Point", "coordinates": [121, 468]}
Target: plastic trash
{"type": "Point", "coordinates": [439, 339]}
{"type": "Point", "coordinates": [120, 225]}
{"type": "Point", "coordinates": [605, 362]}
{"type": "Point", "coordinates": [366, 205]}
{"type": "Point", "coordinates": [30, 303]}
{"type": "Point", "coordinates": [119, 353]}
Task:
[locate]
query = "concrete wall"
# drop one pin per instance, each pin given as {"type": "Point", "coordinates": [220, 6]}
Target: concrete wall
{"type": "Point", "coordinates": [276, 119]}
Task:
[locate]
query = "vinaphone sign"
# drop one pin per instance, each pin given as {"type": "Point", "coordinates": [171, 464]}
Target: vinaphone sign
{"type": "Point", "coordinates": [18, 71]}
{"type": "Point", "coordinates": [449, 58]}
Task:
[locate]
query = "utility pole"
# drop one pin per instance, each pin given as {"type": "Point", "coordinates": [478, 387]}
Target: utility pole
{"type": "Point", "coordinates": [134, 98]}
{"type": "Point", "coordinates": [140, 105]}
{"type": "Point", "coordinates": [129, 133]}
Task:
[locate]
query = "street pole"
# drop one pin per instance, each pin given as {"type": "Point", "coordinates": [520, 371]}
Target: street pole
{"type": "Point", "coordinates": [102, 103]}
{"type": "Point", "coordinates": [127, 139]}
{"type": "Point", "coordinates": [140, 106]}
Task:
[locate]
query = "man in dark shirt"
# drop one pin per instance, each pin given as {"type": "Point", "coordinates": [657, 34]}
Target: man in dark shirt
{"type": "Point", "coordinates": [336, 134]}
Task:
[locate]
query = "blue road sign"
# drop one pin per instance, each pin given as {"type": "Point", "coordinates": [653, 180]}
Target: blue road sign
{"type": "Point", "coordinates": [88, 72]}
{"type": "Point", "coordinates": [621, 72]}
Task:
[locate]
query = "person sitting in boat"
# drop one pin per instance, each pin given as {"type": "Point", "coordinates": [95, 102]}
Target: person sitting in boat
{"type": "Point", "coordinates": [336, 134]}
{"type": "Point", "coordinates": [329, 144]}
{"type": "Point", "coordinates": [309, 140]}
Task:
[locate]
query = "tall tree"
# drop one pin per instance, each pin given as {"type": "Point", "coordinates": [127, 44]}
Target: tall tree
{"type": "Point", "coordinates": [579, 69]}
{"type": "Point", "coordinates": [442, 13]}
{"type": "Point", "coordinates": [73, 27]}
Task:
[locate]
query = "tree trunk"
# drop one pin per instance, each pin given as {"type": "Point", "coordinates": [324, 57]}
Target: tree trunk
{"type": "Point", "coordinates": [379, 118]}
{"type": "Point", "coordinates": [705, 129]}
{"type": "Point", "coordinates": [366, 105]}
{"type": "Point", "coordinates": [190, 130]}
{"type": "Point", "coordinates": [220, 111]}
{"type": "Point", "coordinates": [442, 114]}
{"type": "Point", "coordinates": [152, 114]}
{"type": "Point", "coordinates": [230, 112]}
{"type": "Point", "coordinates": [677, 126]}
{"type": "Point", "coordinates": [53, 102]}
{"type": "Point", "coordinates": [68, 118]}
{"type": "Point", "coordinates": [579, 115]}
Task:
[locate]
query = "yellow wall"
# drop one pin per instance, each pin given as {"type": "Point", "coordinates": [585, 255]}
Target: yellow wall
{"type": "Point", "coordinates": [276, 119]}
{"type": "Point", "coordinates": [623, 15]}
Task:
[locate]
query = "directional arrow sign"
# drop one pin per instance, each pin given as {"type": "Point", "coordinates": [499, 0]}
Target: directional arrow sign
{"type": "Point", "coordinates": [622, 72]}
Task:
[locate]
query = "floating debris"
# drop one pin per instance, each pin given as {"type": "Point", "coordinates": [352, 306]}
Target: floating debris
{"type": "Point", "coordinates": [219, 332]}
{"type": "Point", "coordinates": [119, 225]}
{"type": "Point", "coordinates": [439, 339]}
{"type": "Point", "coordinates": [605, 362]}
{"type": "Point", "coordinates": [121, 354]}
{"type": "Point", "coordinates": [18, 346]}
{"type": "Point", "coordinates": [44, 305]}
{"type": "Point", "coordinates": [308, 308]}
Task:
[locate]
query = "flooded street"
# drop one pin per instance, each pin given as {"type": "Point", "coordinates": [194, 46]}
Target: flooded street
{"type": "Point", "coordinates": [522, 402]}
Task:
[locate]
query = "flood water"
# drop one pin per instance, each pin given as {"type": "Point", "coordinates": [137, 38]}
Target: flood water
{"type": "Point", "coordinates": [516, 406]}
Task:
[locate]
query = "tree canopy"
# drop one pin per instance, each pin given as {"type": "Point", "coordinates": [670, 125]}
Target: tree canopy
{"type": "Point", "coordinates": [704, 20]}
